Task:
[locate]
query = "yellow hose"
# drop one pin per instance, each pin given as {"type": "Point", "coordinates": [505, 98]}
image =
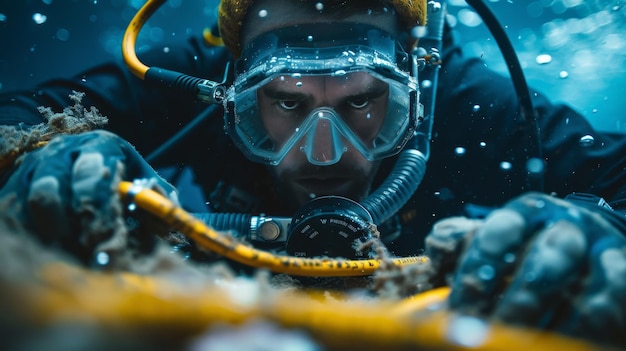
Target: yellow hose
{"type": "Point", "coordinates": [362, 324]}
{"type": "Point", "coordinates": [151, 305]}
{"type": "Point", "coordinates": [130, 37]}
{"type": "Point", "coordinates": [211, 39]}
{"type": "Point", "coordinates": [231, 248]}
{"type": "Point", "coordinates": [148, 305]}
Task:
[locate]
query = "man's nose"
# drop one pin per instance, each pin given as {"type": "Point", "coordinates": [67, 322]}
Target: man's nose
{"type": "Point", "coordinates": [324, 146]}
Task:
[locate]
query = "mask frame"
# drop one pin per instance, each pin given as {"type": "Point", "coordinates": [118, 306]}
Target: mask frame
{"type": "Point", "coordinates": [292, 52]}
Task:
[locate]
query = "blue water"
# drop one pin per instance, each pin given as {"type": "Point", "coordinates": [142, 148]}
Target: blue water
{"type": "Point", "coordinates": [573, 50]}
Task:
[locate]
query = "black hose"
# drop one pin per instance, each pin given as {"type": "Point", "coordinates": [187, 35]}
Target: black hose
{"type": "Point", "coordinates": [534, 182]}
{"type": "Point", "coordinates": [181, 134]}
{"type": "Point", "coordinates": [238, 223]}
{"type": "Point", "coordinates": [397, 189]}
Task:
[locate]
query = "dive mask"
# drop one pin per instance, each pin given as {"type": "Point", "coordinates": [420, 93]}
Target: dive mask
{"type": "Point", "coordinates": [322, 89]}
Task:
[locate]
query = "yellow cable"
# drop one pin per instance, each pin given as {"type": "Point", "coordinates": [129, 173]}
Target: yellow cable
{"type": "Point", "coordinates": [150, 304]}
{"type": "Point", "coordinates": [211, 39]}
{"type": "Point", "coordinates": [374, 325]}
{"type": "Point", "coordinates": [68, 293]}
{"type": "Point", "coordinates": [130, 37]}
{"type": "Point", "coordinates": [231, 248]}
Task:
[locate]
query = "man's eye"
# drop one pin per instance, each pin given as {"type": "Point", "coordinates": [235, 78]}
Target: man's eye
{"type": "Point", "coordinates": [289, 104]}
{"type": "Point", "coordinates": [359, 103]}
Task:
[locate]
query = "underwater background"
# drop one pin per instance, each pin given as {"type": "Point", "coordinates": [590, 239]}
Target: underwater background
{"type": "Point", "coordinates": [574, 51]}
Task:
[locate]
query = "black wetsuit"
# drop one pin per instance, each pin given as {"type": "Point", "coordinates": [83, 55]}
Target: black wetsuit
{"type": "Point", "coordinates": [478, 151]}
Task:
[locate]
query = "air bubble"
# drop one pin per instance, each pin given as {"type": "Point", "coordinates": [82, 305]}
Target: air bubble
{"type": "Point", "coordinates": [102, 258]}
{"type": "Point", "coordinates": [459, 151]}
{"type": "Point", "coordinates": [586, 140]}
{"type": "Point", "coordinates": [319, 6]}
{"type": "Point", "coordinates": [534, 165]}
{"type": "Point", "coordinates": [509, 257]}
{"type": "Point", "coordinates": [469, 18]}
{"type": "Point", "coordinates": [530, 277]}
{"type": "Point", "coordinates": [563, 74]}
{"type": "Point", "coordinates": [543, 59]}
{"type": "Point", "coordinates": [506, 165]}
{"type": "Point", "coordinates": [486, 272]}
{"type": "Point", "coordinates": [444, 194]}
{"type": "Point", "coordinates": [63, 34]}
{"type": "Point", "coordinates": [476, 108]}
{"type": "Point", "coordinates": [467, 331]}
{"type": "Point", "coordinates": [39, 18]}
{"type": "Point", "coordinates": [263, 13]}
{"type": "Point", "coordinates": [418, 32]}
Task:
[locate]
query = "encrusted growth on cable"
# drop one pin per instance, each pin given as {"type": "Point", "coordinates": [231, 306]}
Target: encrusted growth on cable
{"type": "Point", "coordinates": [74, 119]}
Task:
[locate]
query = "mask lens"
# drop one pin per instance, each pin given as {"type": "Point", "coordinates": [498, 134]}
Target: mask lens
{"type": "Point", "coordinates": [324, 112]}
{"type": "Point", "coordinates": [357, 103]}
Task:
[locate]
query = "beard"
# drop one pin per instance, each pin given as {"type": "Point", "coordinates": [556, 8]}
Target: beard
{"type": "Point", "coordinates": [297, 185]}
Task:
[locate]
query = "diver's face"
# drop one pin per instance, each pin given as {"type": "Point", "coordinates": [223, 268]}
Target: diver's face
{"type": "Point", "coordinates": [297, 179]}
{"type": "Point", "coordinates": [359, 99]}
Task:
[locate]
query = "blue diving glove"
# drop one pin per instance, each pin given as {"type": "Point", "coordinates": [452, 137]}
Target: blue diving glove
{"type": "Point", "coordinates": [66, 192]}
{"type": "Point", "coordinates": [539, 262]}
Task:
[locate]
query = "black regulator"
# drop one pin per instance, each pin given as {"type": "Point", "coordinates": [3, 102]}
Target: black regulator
{"type": "Point", "coordinates": [331, 226]}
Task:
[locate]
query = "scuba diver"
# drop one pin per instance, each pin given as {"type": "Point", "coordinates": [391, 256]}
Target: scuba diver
{"type": "Point", "coordinates": [338, 115]}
